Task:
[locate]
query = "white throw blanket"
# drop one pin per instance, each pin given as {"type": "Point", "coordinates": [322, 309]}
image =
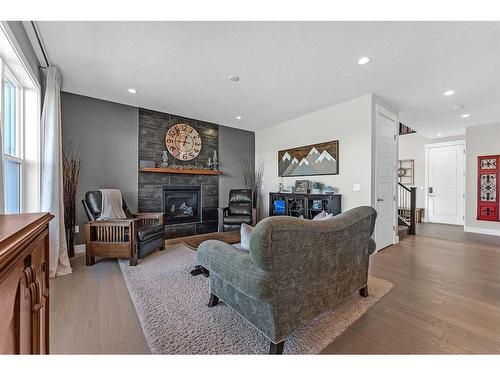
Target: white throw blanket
{"type": "Point", "coordinates": [111, 205]}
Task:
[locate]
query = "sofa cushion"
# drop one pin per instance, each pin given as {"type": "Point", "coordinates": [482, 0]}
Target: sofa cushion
{"type": "Point", "coordinates": [245, 234]}
{"type": "Point", "coordinates": [237, 219]}
{"type": "Point", "coordinates": [149, 231]}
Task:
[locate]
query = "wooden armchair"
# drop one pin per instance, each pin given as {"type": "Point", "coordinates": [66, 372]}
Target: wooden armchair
{"type": "Point", "coordinates": [131, 238]}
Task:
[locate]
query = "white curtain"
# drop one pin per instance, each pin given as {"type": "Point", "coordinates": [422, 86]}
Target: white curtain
{"type": "Point", "coordinates": [52, 174]}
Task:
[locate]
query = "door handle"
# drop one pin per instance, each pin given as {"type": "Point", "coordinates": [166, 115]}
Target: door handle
{"type": "Point", "coordinates": [380, 200]}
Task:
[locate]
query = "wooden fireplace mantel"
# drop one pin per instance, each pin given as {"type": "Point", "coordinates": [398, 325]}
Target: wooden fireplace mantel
{"type": "Point", "coordinates": [180, 171]}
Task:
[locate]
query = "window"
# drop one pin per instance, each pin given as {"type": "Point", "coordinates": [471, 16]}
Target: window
{"type": "Point", "coordinates": [13, 160]}
{"type": "Point", "coordinates": [20, 127]}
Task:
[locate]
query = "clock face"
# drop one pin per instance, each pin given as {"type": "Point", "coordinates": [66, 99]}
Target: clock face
{"type": "Point", "coordinates": [183, 142]}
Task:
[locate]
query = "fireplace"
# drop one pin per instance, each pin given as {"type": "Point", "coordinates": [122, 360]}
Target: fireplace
{"type": "Point", "coordinates": [182, 204]}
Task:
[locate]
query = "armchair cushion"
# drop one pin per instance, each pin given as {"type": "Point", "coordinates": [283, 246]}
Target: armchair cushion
{"type": "Point", "coordinates": [146, 232]}
{"type": "Point", "coordinates": [235, 267]}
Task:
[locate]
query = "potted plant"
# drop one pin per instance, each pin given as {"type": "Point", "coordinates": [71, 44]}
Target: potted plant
{"type": "Point", "coordinates": [317, 187]}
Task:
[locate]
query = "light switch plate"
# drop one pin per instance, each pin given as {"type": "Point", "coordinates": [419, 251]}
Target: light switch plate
{"type": "Point", "coordinates": [77, 229]}
{"type": "Point", "coordinates": [356, 187]}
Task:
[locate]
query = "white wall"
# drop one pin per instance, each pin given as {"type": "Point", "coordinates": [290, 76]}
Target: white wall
{"type": "Point", "coordinates": [411, 146]}
{"type": "Point", "coordinates": [479, 141]}
{"type": "Point", "coordinates": [349, 122]}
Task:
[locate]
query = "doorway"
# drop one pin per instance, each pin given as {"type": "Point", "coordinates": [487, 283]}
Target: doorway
{"type": "Point", "coordinates": [445, 182]}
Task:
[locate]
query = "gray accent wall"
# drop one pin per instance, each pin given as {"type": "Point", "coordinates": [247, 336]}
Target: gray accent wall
{"type": "Point", "coordinates": [107, 133]}
{"type": "Point", "coordinates": [234, 145]}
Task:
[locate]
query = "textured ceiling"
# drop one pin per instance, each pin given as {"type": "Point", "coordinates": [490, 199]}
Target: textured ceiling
{"type": "Point", "coordinates": [287, 69]}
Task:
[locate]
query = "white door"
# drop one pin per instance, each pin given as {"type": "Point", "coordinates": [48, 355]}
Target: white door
{"type": "Point", "coordinates": [445, 184]}
{"type": "Point", "coordinates": [385, 178]}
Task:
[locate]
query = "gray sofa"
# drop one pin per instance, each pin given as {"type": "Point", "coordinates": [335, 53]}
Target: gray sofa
{"type": "Point", "coordinates": [296, 269]}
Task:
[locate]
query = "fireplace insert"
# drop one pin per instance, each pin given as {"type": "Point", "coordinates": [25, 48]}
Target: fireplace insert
{"type": "Point", "coordinates": [182, 204]}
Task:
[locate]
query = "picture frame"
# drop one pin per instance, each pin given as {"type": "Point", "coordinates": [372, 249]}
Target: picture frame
{"type": "Point", "coordinates": [302, 186]}
{"type": "Point", "coordinates": [406, 172]}
{"type": "Point", "coordinates": [313, 160]}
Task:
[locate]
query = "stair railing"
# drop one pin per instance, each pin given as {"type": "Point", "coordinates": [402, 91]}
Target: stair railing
{"type": "Point", "coordinates": [407, 207]}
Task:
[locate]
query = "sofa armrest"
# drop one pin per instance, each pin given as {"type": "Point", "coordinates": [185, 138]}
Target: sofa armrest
{"type": "Point", "coordinates": [371, 247]}
{"type": "Point", "coordinates": [235, 267]}
{"type": "Point", "coordinates": [149, 218]}
{"type": "Point", "coordinates": [111, 230]}
{"type": "Point", "coordinates": [112, 223]}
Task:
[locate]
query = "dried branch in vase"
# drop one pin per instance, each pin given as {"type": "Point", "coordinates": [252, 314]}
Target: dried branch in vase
{"type": "Point", "coordinates": [252, 175]}
{"type": "Point", "coordinates": [72, 167]}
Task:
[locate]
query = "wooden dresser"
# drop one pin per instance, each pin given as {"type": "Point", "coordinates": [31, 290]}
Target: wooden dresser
{"type": "Point", "coordinates": [24, 283]}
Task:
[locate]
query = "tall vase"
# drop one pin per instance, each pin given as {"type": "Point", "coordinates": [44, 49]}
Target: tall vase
{"type": "Point", "coordinates": [70, 232]}
{"type": "Point", "coordinates": [70, 242]}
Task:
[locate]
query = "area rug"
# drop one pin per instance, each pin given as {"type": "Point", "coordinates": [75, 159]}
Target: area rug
{"type": "Point", "coordinates": [172, 308]}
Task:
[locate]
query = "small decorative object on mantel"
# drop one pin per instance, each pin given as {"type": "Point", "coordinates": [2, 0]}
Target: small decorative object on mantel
{"type": "Point", "coordinates": [302, 186]}
{"type": "Point", "coordinates": [312, 160]}
{"type": "Point", "coordinates": [488, 170]}
{"type": "Point", "coordinates": [215, 161]}
{"type": "Point", "coordinates": [147, 164]}
{"type": "Point", "coordinates": [164, 163]}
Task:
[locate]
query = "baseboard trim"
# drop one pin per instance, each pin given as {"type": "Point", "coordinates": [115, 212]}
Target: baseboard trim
{"type": "Point", "coordinates": [492, 232]}
{"type": "Point", "coordinates": [80, 249]}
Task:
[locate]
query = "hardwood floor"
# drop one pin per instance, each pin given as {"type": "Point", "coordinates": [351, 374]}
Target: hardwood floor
{"type": "Point", "coordinates": [92, 313]}
{"type": "Point", "coordinates": [446, 299]}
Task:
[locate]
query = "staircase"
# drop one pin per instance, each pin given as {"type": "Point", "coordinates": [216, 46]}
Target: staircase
{"type": "Point", "coordinates": [407, 204]}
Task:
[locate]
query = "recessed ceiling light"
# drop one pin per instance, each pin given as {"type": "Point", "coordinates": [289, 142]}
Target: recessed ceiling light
{"type": "Point", "coordinates": [465, 115]}
{"type": "Point", "coordinates": [448, 92]}
{"type": "Point", "coordinates": [234, 78]}
{"type": "Point", "coordinates": [364, 60]}
{"type": "Point", "coordinates": [439, 134]}
{"type": "Point", "coordinates": [238, 117]}
{"type": "Point", "coordinates": [132, 91]}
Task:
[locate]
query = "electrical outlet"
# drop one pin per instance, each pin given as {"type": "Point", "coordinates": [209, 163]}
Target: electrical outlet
{"type": "Point", "coordinates": [356, 187]}
{"type": "Point", "coordinates": [77, 229]}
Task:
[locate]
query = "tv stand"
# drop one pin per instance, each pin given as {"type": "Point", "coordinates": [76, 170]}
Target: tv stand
{"type": "Point", "coordinates": [307, 205]}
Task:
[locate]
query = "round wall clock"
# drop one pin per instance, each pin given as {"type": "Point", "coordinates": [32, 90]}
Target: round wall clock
{"type": "Point", "coordinates": [183, 142]}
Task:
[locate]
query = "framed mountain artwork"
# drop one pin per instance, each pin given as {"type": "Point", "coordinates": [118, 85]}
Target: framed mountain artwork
{"type": "Point", "coordinates": [312, 160]}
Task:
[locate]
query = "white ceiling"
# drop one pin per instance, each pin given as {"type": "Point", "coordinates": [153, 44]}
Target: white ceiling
{"type": "Point", "coordinates": [287, 69]}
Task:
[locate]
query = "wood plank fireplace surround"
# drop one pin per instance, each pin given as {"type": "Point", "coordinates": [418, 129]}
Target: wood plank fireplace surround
{"type": "Point", "coordinates": [189, 200]}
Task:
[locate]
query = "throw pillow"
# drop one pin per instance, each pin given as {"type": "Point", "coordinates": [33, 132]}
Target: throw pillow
{"type": "Point", "coordinates": [320, 216]}
{"type": "Point", "coordinates": [326, 217]}
{"type": "Point", "coordinates": [245, 234]}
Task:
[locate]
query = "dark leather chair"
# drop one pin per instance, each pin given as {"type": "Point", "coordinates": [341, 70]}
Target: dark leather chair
{"type": "Point", "coordinates": [239, 210]}
{"type": "Point", "coordinates": [130, 238]}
